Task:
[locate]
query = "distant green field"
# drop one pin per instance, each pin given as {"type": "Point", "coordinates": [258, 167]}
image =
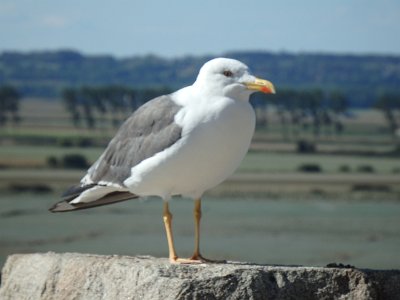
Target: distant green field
{"type": "Point", "coordinates": [38, 155]}
{"type": "Point", "coordinates": [364, 148]}
{"type": "Point", "coordinates": [49, 116]}
{"type": "Point", "coordinates": [270, 162]}
{"type": "Point", "coordinates": [254, 162]}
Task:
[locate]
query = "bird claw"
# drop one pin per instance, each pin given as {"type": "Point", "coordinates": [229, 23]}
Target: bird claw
{"type": "Point", "coordinates": [195, 259]}
{"type": "Point", "coordinates": [185, 261]}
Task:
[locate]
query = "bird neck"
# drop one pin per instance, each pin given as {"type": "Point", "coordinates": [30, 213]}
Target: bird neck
{"type": "Point", "coordinates": [211, 90]}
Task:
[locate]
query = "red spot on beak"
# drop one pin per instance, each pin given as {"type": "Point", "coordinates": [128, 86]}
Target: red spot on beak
{"type": "Point", "coordinates": [265, 89]}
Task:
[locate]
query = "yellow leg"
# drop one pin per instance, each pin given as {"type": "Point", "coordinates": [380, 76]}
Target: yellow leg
{"type": "Point", "coordinates": [197, 257]}
{"type": "Point", "coordinates": [197, 216]}
{"type": "Point", "coordinates": [167, 217]}
{"type": "Point", "coordinates": [173, 257]}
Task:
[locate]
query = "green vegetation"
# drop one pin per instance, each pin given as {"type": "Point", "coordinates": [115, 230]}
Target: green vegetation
{"type": "Point", "coordinates": [35, 139]}
{"type": "Point", "coordinates": [389, 103]}
{"type": "Point", "coordinates": [310, 168]}
{"type": "Point", "coordinates": [276, 162]}
{"type": "Point", "coordinates": [95, 105]}
{"type": "Point", "coordinates": [344, 169]}
{"type": "Point", "coordinates": [361, 78]}
{"type": "Point", "coordinates": [298, 111]}
{"type": "Point", "coordinates": [68, 161]}
{"type": "Point", "coordinates": [38, 155]}
{"type": "Point", "coordinates": [9, 105]}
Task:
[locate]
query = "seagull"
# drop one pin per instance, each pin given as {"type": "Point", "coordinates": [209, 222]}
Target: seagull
{"type": "Point", "coordinates": [181, 144]}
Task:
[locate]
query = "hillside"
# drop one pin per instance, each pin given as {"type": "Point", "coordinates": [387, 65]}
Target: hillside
{"type": "Point", "coordinates": [44, 74]}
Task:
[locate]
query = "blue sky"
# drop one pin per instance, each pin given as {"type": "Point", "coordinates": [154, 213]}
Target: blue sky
{"type": "Point", "coordinates": [175, 28]}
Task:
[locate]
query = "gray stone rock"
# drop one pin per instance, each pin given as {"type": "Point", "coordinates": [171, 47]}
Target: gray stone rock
{"type": "Point", "coordinates": [85, 276]}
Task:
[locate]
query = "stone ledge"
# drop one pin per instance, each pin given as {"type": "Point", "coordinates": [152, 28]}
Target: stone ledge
{"type": "Point", "coordinates": [84, 276]}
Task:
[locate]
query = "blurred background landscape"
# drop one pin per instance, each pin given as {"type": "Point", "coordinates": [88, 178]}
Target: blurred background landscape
{"type": "Point", "coordinates": [320, 184]}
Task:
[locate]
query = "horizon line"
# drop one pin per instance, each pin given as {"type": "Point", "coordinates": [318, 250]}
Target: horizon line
{"type": "Point", "coordinates": [228, 52]}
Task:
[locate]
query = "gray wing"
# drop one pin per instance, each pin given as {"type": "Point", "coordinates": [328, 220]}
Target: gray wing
{"type": "Point", "coordinates": [149, 130]}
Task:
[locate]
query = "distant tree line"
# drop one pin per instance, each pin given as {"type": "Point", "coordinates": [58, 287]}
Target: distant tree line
{"type": "Point", "coordinates": [299, 111]}
{"type": "Point", "coordinates": [97, 106]}
{"type": "Point", "coordinates": [389, 104]}
{"type": "Point", "coordinates": [306, 110]}
{"type": "Point", "coordinates": [9, 105]}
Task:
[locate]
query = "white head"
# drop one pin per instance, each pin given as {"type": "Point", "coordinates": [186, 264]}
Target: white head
{"type": "Point", "coordinates": [230, 78]}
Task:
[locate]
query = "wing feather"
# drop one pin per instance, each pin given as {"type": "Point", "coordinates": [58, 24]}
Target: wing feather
{"type": "Point", "coordinates": [149, 130]}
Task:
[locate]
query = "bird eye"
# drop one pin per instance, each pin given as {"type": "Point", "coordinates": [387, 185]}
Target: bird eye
{"type": "Point", "coordinates": [228, 73]}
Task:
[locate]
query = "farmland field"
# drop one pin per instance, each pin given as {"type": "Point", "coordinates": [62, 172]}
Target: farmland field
{"type": "Point", "coordinates": [272, 210]}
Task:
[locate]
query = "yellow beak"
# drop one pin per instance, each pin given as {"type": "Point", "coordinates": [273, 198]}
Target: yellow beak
{"type": "Point", "coordinates": [261, 85]}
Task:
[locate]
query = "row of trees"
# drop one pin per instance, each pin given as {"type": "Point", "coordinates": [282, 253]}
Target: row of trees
{"type": "Point", "coordinates": [299, 111]}
{"type": "Point", "coordinates": [305, 110]}
{"type": "Point", "coordinates": [96, 106]}
{"type": "Point", "coordinates": [389, 104]}
{"type": "Point", "coordinates": [9, 105]}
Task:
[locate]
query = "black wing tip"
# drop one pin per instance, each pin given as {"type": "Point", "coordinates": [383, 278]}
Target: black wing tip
{"type": "Point", "coordinates": [70, 194]}
{"type": "Point", "coordinates": [111, 198]}
{"type": "Point", "coordinates": [62, 206]}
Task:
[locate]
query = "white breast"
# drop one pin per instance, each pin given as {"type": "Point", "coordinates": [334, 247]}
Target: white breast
{"type": "Point", "coordinates": [215, 138]}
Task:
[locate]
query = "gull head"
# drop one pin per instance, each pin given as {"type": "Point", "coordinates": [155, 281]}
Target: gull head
{"type": "Point", "coordinates": [230, 78]}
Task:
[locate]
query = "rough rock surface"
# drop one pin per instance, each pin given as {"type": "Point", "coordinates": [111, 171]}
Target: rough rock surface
{"type": "Point", "coordinates": [84, 276]}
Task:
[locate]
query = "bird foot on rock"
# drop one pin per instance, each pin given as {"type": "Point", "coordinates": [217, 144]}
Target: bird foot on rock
{"type": "Point", "coordinates": [185, 261]}
{"type": "Point", "coordinates": [195, 259]}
